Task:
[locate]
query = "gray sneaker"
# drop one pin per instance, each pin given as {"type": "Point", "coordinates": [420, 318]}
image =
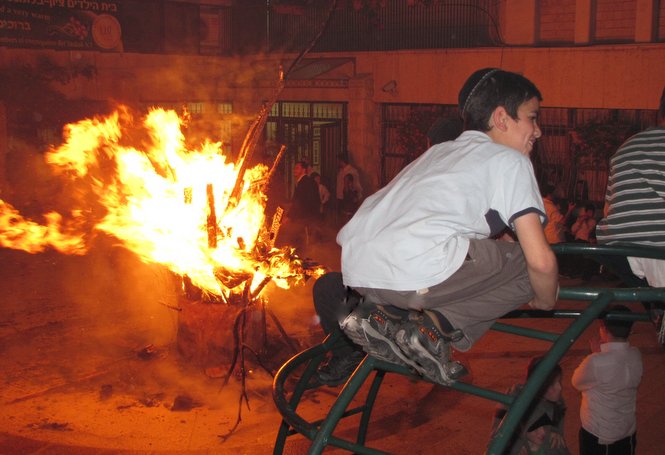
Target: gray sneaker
{"type": "Point", "coordinates": [338, 368]}
{"type": "Point", "coordinates": [421, 340]}
{"type": "Point", "coordinates": [373, 328]}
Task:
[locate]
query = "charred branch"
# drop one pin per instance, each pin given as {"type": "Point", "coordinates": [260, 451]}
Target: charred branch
{"type": "Point", "coordinates": [212, 217]}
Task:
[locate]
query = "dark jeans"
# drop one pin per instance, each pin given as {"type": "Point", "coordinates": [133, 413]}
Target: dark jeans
{"type": "Point", "coordinates": [333, 303]}
{"type": "Point", "coordinates": [589, 445]}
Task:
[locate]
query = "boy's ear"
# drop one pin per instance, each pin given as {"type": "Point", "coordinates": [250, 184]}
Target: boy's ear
{"type": "Point", "coordinates": [499, 118]}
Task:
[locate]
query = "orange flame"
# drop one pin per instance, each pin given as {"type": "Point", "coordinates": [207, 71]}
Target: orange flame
{"type": "Point", "coordinates": [157, 201]}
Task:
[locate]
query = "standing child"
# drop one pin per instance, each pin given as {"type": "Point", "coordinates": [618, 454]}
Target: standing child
{"type": "Point", "coordinates": [608, 379]}
{"type": "Point", "coordinates": [544, 422]}
{"type": "Point", "coordinates": [534, 441]}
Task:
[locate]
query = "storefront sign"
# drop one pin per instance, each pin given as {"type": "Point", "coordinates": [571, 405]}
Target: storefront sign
{"type": "Point", "coordinates": [61, 24]}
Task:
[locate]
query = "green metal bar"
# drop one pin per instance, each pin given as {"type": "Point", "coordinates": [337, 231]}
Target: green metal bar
{"type": "Point", "coordinates": [511, 421]}
{"type": "Point", "coordinates": [525, 331]}
{"type": "Point", "coordinates": [354, 448]}
{"type": "Point", "coordinates": [369, 405]}
{"type": "Point", "coordinates": [320, 432]}
{"type": "Point", "coordinates": [628, 294]}
{"type": "Point", "coordinates": [482, 392]}
{"type": "Point", "coordinates": [349, 391]}
{"type": "Point", "coordinates": [572, 314]}
{"type": "Point", "coordinates": [626, 250]}
{"type": "Point", "coordinates": [290, 419]}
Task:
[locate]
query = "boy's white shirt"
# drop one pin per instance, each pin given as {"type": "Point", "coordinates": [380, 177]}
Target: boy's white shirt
{"type": "Point", "coordinates": [404, 237]}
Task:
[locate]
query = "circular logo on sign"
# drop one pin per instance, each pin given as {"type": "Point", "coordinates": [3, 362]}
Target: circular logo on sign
{"type": "Point", "coordinates": [106, 31]}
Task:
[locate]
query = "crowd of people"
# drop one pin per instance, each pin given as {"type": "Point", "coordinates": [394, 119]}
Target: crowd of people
{"type": "Point", "coordinates": [426, 267]}
{"type": "Point", "coordinates": [311, 210]}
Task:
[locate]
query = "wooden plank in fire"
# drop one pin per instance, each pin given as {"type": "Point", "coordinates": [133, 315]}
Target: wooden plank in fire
{"type": "Point", "coordinates": [274, 227]}
{"type": "Point", "coordinates": [249, 143]}
{"type": "Point", "coordinates": [212, 217]}
{"type": "Point", "coordinates": [265, 181]}
{"type": "Point", "coordinates": [252, 137]}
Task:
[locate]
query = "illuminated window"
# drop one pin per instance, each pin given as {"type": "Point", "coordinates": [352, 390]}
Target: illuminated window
{"type": "Point", "coordinates": [328, 110]}
{"type": "Point", "coordinates": [296, 110]}
{"type": "Point", "coordinates": [195, 108]}
{"type": "Point", "coordinates": [224, 108]}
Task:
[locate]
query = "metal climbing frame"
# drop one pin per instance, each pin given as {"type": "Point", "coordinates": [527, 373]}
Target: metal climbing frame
{"type": "Point", "coordinates": [320, 432]}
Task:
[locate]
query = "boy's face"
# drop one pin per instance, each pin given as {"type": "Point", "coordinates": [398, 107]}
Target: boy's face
{"type": "Point", "coordinates": [553, 392]}
{"type": "Point", "coordinates": [537, 436]}
{"type": "Point", "coordinates": [522, 133]}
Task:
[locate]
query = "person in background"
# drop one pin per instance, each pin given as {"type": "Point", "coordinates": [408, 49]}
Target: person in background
{"type": "Point", "coordinates": [548, 403]}
{"type": "Point", "coordinates": [351, 199]}
{"type": "Point", "coordinates": [583, 230]}
{"type": "Point", "coordinates": [608, 379]}
{"type": "Point", "coordinates": [345, 168]}
{"type": "Point", "coordinates": [319, 228]}
{"type": "Point", "coordinates": [324, 194]}
{"type": "Point", "coordinates": [536, 438]}
{"type": "Point", "coordinates": [443, 130]}
{"type": "Point", "coordinates": [302, 215]}
{"type": "Point", "coordinates": [584, 227]}
{"type": "Point", "coordinates": [555, 229]}
{"type": "Point", "coordinates": [635, 201]}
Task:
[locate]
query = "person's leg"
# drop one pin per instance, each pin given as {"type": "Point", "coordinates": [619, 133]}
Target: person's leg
{"type": "Point", "coordinates": [588, 443]}
{"type": "Point", "coordinates": [620, 267]}
{"type": "Point", "coordinates": [330, 301]}
{"type": "Point", "coordinates": [625, 446]}
{"type": "Point", "coordinates": [332, 304]}
{"type": "Point", "coordinates": [492, 282]}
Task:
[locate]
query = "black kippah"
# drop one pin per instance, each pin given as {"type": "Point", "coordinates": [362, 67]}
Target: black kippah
{"type": "Point", "coordinates": [471, 85]}
{"type": "Point", "coordinates": [541, 421]}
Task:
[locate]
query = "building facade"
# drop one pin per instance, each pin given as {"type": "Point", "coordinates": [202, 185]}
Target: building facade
{"type": "Point", "coordinates": [598, 62]}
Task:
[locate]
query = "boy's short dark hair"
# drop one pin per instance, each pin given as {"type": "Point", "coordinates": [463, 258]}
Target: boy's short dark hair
{"type": "Point", "coordinates": [489, 88]}
{"type": "Point", "coordinates": [535, 361]}
{"type": "Point", "coordinates": [618, 328]}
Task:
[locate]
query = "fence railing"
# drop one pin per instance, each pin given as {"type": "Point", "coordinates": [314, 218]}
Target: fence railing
{"type": "Point", "coordinates": [397, 25]}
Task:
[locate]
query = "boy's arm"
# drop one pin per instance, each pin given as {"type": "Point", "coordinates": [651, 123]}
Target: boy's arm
{"type": "Point", "coordinates": [576, 226]}
{"type": "Point", "coordinates": [540, 261]}
{"type": "Point", "coordinates": [583, 376]}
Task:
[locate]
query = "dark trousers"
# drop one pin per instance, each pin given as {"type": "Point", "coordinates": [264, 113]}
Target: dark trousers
{"type": "Point", "coordinates": [333, 302]}
{"type": "Point", "coordinates": [589, 445]}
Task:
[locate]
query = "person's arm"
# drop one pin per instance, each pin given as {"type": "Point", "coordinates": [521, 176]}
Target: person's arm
{"type": "Point", "coordinates": [356, 183]}
{"type": "Point", "coordinates": [540, 261]}
{"type": "Point", "coordinates": [583, 376]}
{"type": "Point", "coordinates": [577, 225]}
{"type": "Point", "coordinates": [324, 193]}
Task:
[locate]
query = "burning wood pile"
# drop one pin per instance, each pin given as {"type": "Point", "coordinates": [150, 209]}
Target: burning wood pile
{"type": "Point", "coordinates": [190, 210]}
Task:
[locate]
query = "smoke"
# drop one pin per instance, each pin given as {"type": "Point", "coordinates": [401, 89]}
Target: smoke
{"type": "Point", "coordinates": [113, 306]}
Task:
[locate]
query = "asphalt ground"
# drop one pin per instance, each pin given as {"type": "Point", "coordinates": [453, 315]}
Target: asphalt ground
{"type": "Point", "coordinates": [74, 333]}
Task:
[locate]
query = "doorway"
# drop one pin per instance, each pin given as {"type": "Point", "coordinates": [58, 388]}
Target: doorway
{"type": "Point", "coordinates": [315, 132]}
